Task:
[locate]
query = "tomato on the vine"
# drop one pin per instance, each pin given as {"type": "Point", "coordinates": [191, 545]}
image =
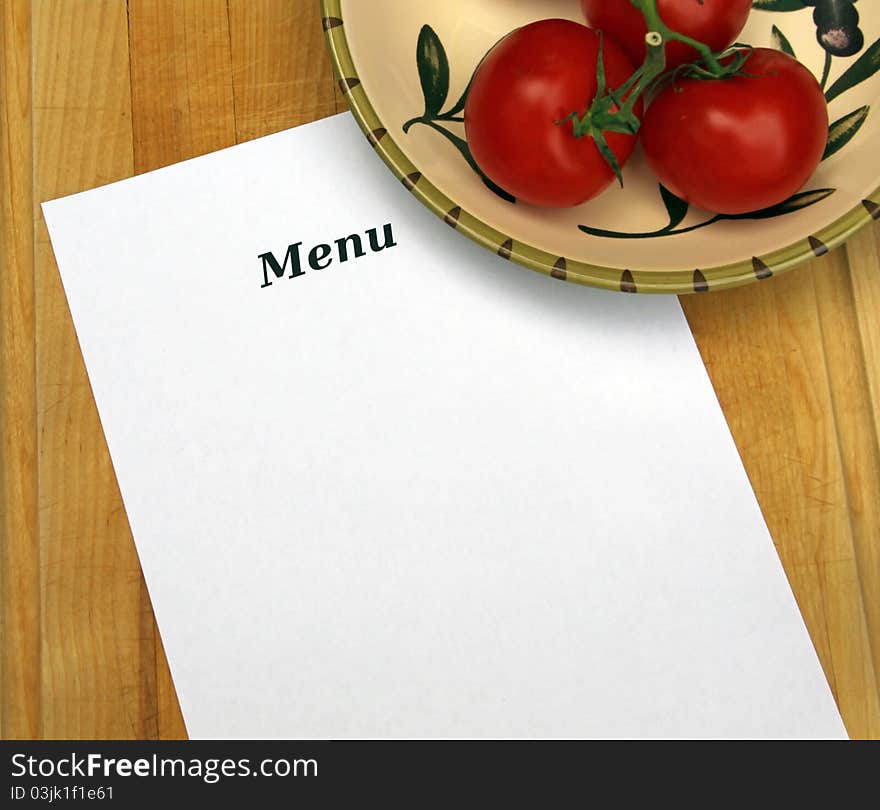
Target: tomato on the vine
{"type": "Point", "coordinates": [518, 108]}
{"type": "Point", "coordinates": [716, 23]}
{"type": "Point", "coordinates": [739, 144]}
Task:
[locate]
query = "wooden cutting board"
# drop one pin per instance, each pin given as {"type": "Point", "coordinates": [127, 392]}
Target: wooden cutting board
{"type": "Point", "coordinates": [92, 91]}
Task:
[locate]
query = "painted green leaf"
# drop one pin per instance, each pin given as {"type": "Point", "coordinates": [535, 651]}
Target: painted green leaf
{"type": "Point", "coordinates": [676, 207]}
{"type": "Point", "coordinates": [464, 149]}
{"type": "Point", "coordinates": [799, 201]}
{"type": "Point", "coordinates": [863, 68]}
{"type": "Point", "coordinates": [778, 5]}
{"type": "Point", "coordinates": [796, 203]}
{"type": "Point", "coordinates": [460, 104]}
{"type": "Point", "coordinates": [844, 130]}
{"type": "Point", "coordinates": [781, 43]}
{"type": "Point", "coordinates": [433, 66]}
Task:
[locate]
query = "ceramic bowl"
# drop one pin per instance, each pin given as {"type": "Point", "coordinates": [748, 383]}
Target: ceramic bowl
{"type": "Point", "coordinates": [634, 239]}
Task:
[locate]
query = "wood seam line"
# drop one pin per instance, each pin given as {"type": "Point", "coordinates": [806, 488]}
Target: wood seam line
{"type": "Point", "coordinates": [875, 447]}
{"type": "Point", "coordinates": [30, 713]}
{"type": "Point", "coordinates": [846, 494]}
{"type": "Point", "coordinates": [130, 79]}
{"type": "Point", "coordinates": [34, 225]}
{"type": "Point", "coordinates": [153, 661]}
{"type": "Point", "coordinates": [231, 72]}
{"type": "Point", "coordinates": [831, 672]}
{"type": "Point", "coordinates": [3, 430]}
{"type": "Point", "coordinates": [821, 572]}
{"type": "Point", "coordinates": [4, 508]}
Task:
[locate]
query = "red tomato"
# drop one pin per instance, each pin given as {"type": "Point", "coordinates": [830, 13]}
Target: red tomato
{"type": "Point", "coordinates": [740, 144]}
{"type": "Point", "coordinates": [716, 23]}
{"type": "Point", "coordinates": [525, 86]}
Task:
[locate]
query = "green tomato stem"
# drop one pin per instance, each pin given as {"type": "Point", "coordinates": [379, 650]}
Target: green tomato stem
{"type": "Point", "coordinates": [613, 110]}
{"type": "Point", "coordinates": [655, 24]}
{"type": "Point", "coordinates": [654, 67]}
{"type": "Point", "coordinates": [601, 115]}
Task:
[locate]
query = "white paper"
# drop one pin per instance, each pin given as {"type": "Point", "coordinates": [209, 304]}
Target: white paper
{"type": "Point", "coordinates": [424, 493]}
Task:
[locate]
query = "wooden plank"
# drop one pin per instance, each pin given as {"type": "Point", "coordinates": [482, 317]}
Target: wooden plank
{"type": "Point", "coordinates": [281, 68]}
{"type": "Point", "coordinates": [854, 338]}
{"type": "Point", "coordinates": [825, 536]}
{"type": "Point", "coordinates": [181, 84]}
{"type": "Point", "coordinates": [859, 468]}
{"type": "Point", "coordinates": [795, 360]}
{"type": "Point", "coordinates": [92, 589]}
{"type": "Point", "coordinates": [19, 546]}
{"type": "Point", "coordinates": [777, 379]}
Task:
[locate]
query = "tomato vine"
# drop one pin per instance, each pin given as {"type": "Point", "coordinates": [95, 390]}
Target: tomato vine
{"type": "Point", "coordinates": [613, 109]}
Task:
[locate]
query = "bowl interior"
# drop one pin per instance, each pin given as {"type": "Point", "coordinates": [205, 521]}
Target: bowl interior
{"type": "Point", "coordinates": [382, 36]}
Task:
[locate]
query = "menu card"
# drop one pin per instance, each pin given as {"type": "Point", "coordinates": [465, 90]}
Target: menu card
{"type": "Point", "coordinates": [386, 484]}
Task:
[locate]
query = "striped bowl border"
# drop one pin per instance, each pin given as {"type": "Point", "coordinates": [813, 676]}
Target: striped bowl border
{"type": "Point", "coordinates": [689, 280]}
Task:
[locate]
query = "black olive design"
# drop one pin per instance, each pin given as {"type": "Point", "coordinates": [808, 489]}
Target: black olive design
{"type": "Point", "coordinates": [837, 26]}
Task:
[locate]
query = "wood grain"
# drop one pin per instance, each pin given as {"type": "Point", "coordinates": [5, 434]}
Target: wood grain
{"type": "Point", "coordinates": [90, 583]}
{"type": "Point", "coordinates": [19, 549]}
{"type": "Point", "coordinates": [795, 396]}
{"type": "Point", "coordinates": [95, 90]}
